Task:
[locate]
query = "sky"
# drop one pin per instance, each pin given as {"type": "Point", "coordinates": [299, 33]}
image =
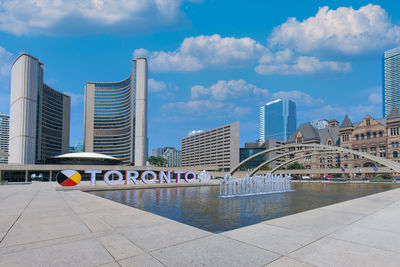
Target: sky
{"type": "Point", "coordinates": [210, 62]}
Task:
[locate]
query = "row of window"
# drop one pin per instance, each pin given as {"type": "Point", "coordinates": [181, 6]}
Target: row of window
{"type": "Point", "coordinates": [368, 135]}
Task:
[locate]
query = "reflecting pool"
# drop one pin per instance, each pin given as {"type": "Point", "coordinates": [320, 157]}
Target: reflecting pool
{"type": "Point", "coordinates": [201, 207]}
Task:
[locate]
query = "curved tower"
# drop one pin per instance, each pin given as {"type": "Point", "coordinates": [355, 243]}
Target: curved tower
{"type": "Point", "coordinates": [39, 115]}
{"type": "Point", "coordinates": [116, 116]}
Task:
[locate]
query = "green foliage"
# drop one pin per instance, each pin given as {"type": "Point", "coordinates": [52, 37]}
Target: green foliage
{"type": "Point", "coordinates": [158, 161]}
{"type": "Point", "coordinates": [295, 166]}
{"type": "Point", "coordinates": [382, 176]}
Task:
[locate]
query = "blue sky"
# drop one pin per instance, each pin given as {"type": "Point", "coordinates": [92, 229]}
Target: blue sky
{"type": "Point", "coordinates": [210, 62]}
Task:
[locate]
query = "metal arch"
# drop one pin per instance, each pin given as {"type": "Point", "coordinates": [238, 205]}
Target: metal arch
{"type": "Point", "coordinates": [297, 158]}
{"type": "Point", "coordinates": [386, 162]}
{"type": "Point", "coordinates": [284, 155]}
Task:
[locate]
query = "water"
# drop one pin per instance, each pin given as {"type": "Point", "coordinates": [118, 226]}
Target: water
{"type": "Point", "coordinates": [257, 185]}
{"type": "Point", "coordinates": [201, 207]}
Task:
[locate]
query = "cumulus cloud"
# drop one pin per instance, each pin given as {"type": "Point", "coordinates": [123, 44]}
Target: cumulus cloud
{"type": "Point", "coordinates": [209, 107]}
{"type": "Point", "coordinates": [197, 53]}
{"type": "Point", "coordinates": [224, 89]}
{"type": "Point", "coordinates": [6, 59]}
{"type": "Point", "coordinates": [345, 30]}
{"type": "Point", "coordinates": [301, 98]}
{"type": "Point", "coordinates": [23, 17]}
{"type": "Point", "coordinates": [375, 98]}
{"type": "Point", "coordinates": [156, 86]}
{"type": "Point", "coordinates": [285, 63]}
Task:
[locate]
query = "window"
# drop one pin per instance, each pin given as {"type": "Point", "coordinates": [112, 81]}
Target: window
{"type": "Point", "coordinates": [382, 147]}
{"type": "Point", "coordinates": [362, 136]}
{"type": "Point", "coordinates": [346, 157]}
{"type": "Point", "coordinates": [322, 160]}
{"type": "Point", "coordinates": [345, 137]}
{"type": "Point", "coordinates": [395, 131]}
{"type": "Point", "coordinates": [380, 134]}
{"type": "Point", "coordinates": [291, 156]}
{"type": "Point", "coordinates": [368, 121]}
{"type": "Point", "coordinates": [396, 144]}
{"type": "Point", "coordinates": [329, 143]}
{"type": "Point", "coordinates": [299, 140]}
{"type": "Point", "coordinates": [357, 137]}
{"type": "Point", "coordinates": [308, 158]}
{"type": "Point", "coordinates": [395, 154]}
{"type": "Point", "coordinates": [364, 149]}
{"type": "Point", "coordinates": [329, 159]}
{"type": "Point", "coordinates": [373, 148]}
{"type": "Point", "coordinates": [368, 135]}
{"type": "Point", "coordinates": [392, 144]}
{"type": "Point", "coordinates": [374, 134]}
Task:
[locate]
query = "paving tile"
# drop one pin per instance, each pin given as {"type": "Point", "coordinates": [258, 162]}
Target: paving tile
{"type": "Point", "coordinates": [317, 223]}
{"type": "Point", "coordinates": [159, 236]}
{"type": "Point", "coordinates": [140, 261]}
{"type": "Point", "coordinates": [332, 252]}
{"type": "Point", "coordinates": [387, 220]}
{"type": "Point", "coordinates": [370, 237]}
{"type": "Point", "coordinates": [272, 238]}
{"type": "Point", "coordinates": [285, 262]}
{"type": "Point", "coordinates": [81, 253]}
{"type": "Point", "coordinates": [94, 223]}
{"type": "Point", "coordinates": [120, 247]}
{"type": "Point", "coordinates": [215, 250]}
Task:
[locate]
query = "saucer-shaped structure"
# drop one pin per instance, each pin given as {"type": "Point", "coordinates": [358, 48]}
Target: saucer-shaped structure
{"type": "Point", "coordinates": [85, 158]}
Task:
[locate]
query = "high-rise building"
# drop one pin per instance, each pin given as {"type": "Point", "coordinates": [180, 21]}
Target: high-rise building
{"type": "Point", "coordinates": [116, 116]}
{"type": "Point", "coordinates": [4, 135]}
{"type": "Point", "coordinates": [391, 80]}
{"type": "Point", "coordinates": [39, 115]}
{"type": "Point", "coordinates": [319, 124]}
{"type": "Point", "coordinates": [277, 120]}
{"type": "Point", "coordinates": [253, 148]}
{"type": "Point", "coordinates": [173, 157]}
{"type": "Point", "coordinates": [159, 151]}
{"type": "Point", "coordinates": [215, 147]}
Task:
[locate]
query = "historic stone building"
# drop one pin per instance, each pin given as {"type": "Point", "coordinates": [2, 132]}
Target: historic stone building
{"type": "Point", "coordinates": [379, 137]}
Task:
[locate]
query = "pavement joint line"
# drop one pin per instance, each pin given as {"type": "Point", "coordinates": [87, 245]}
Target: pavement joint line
{"type": "Point", "coordinates": [19, 216]}
{"type": "Point", "coordinates": [109, 253]}
{"type": "Point", "coordinates": [361, 244]}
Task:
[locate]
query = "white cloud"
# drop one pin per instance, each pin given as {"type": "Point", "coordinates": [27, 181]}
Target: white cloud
{"type": "Point", "coordinates": [227, 89]}
{"type": "Point", "coordinates": [206, 108]}
{"type": "Point", "coordinates": [195, 132]}
{"type": "Point", "coordinates": [375, 98]}
{"type": "Point", "coordinates": [6, 59]}
{"type": "Point", "coordinates": [23, 17]}
{"type": "Point", "coordinates": [197, 53]}
{"type": "Point", "coordinates": [156, 86]}
{"type": "Point", "coordinates": [285, 64]}
{"type": "Point", "coordinates": [75, 98]}
{"type": "Point", "coordinates": [343, 30]}
{"type": "Point", "coordinates": [301, 99]}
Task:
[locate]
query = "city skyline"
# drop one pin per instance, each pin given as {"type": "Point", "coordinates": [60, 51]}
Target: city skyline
{"type": "Point", "coordinates": [205, 73]}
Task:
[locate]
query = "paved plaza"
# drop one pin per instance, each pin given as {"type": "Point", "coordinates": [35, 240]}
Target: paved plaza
{"type": "Point", "coordinates": [40, 226]}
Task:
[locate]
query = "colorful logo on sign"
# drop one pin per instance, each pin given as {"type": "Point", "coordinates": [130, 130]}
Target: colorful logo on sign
{"type": "Point", "coordinates": [68, 178]}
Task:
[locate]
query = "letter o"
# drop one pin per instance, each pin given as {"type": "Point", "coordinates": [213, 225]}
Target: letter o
{"type": "Point", "coordinates": [152, 181]}
{"type": "Point", "coordinates": [187, 177]}
{"type": "Point", "coordinates": [107, 180]}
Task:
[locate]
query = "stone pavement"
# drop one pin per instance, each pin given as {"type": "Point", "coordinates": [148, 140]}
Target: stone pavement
{"type": "Point", "coordinates": [40, 226]}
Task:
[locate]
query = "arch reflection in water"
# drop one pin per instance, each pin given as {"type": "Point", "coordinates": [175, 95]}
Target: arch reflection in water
{"type": "Point", "coordinates": [257, 185]}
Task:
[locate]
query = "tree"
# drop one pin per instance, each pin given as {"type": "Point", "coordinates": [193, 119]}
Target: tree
{"type": "Point", "coordinates": [295, 166]}
{"type": "Point", "coordinates": [158, 161]}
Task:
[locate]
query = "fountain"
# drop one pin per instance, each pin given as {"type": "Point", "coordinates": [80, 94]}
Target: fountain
{"type": "Point", "coordinates": [256, 185]}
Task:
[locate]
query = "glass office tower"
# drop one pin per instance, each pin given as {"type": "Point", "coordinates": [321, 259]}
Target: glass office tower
{"type": "Point", "coordinates": [277, 120]}
{"type": "Point", "coordinates": [116, 116]}
{"type": "Point", "coordinates": [391, 80]}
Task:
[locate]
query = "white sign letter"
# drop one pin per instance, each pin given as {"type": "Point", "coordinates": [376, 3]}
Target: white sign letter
{"type": "Point", "coordinates": [165, 177]}
{"type": "Point", "coordinates": [187, 179]}
{"type": "Point", "coordinates": [152, 181]}
{"type": "Point", "coordinates": [109, 182]}
{"type": "Point", "coordinates": [178, 176]}
{"type": "Point", "coordinates": [93, 176]}
{"type": "Point", "coordinates": [131, 176]}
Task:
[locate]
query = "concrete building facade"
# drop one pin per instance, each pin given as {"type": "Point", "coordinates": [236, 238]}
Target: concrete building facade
{"type": "Point", "coordinates": [219, 147]}
{"type": "Point", "coordinates": [391, 80]}
{"type": "Point", "coordinates": [277, 120]}
{"type": "Point", "coordinates": [4, 135]}
{"type": "Point", "coordinates": [116, 117]}
{"type": "Point", "coordinates": [173, 157]}
{"type": "Point", "coordinates": [159, 151]}
{"type": "Point", "coordinates": [252, 148]}
{"type": "Point", "coordinates": [39, 115]}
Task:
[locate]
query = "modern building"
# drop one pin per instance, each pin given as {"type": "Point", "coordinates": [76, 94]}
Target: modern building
{"type": "Point", "coordinates": [4, 135]}
{"type": "Point", "coordinates": [319, 124]}
{"type": "Point", "coordinates": [77, 148]}
{"type": "Point", "coordinates": [116, 116]}
{"type": "Point", "coordinates": [173, 157]}
{"type": "Point", "coordinates": [215, 147]}
{"type": "Point", "coordinates": [277, 120]}
{"type": "Point", "coordinates": [159, 151]}
{"type": "Point", "coordinates": [251, 149]}
{"type": "Point", "coordinates": [391, 80]}
{"type": "Point", "coordinates": [39, 115]}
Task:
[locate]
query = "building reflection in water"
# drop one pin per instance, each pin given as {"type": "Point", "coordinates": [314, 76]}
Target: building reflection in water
{"type": "Point", "coordinates": [201, 207]}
